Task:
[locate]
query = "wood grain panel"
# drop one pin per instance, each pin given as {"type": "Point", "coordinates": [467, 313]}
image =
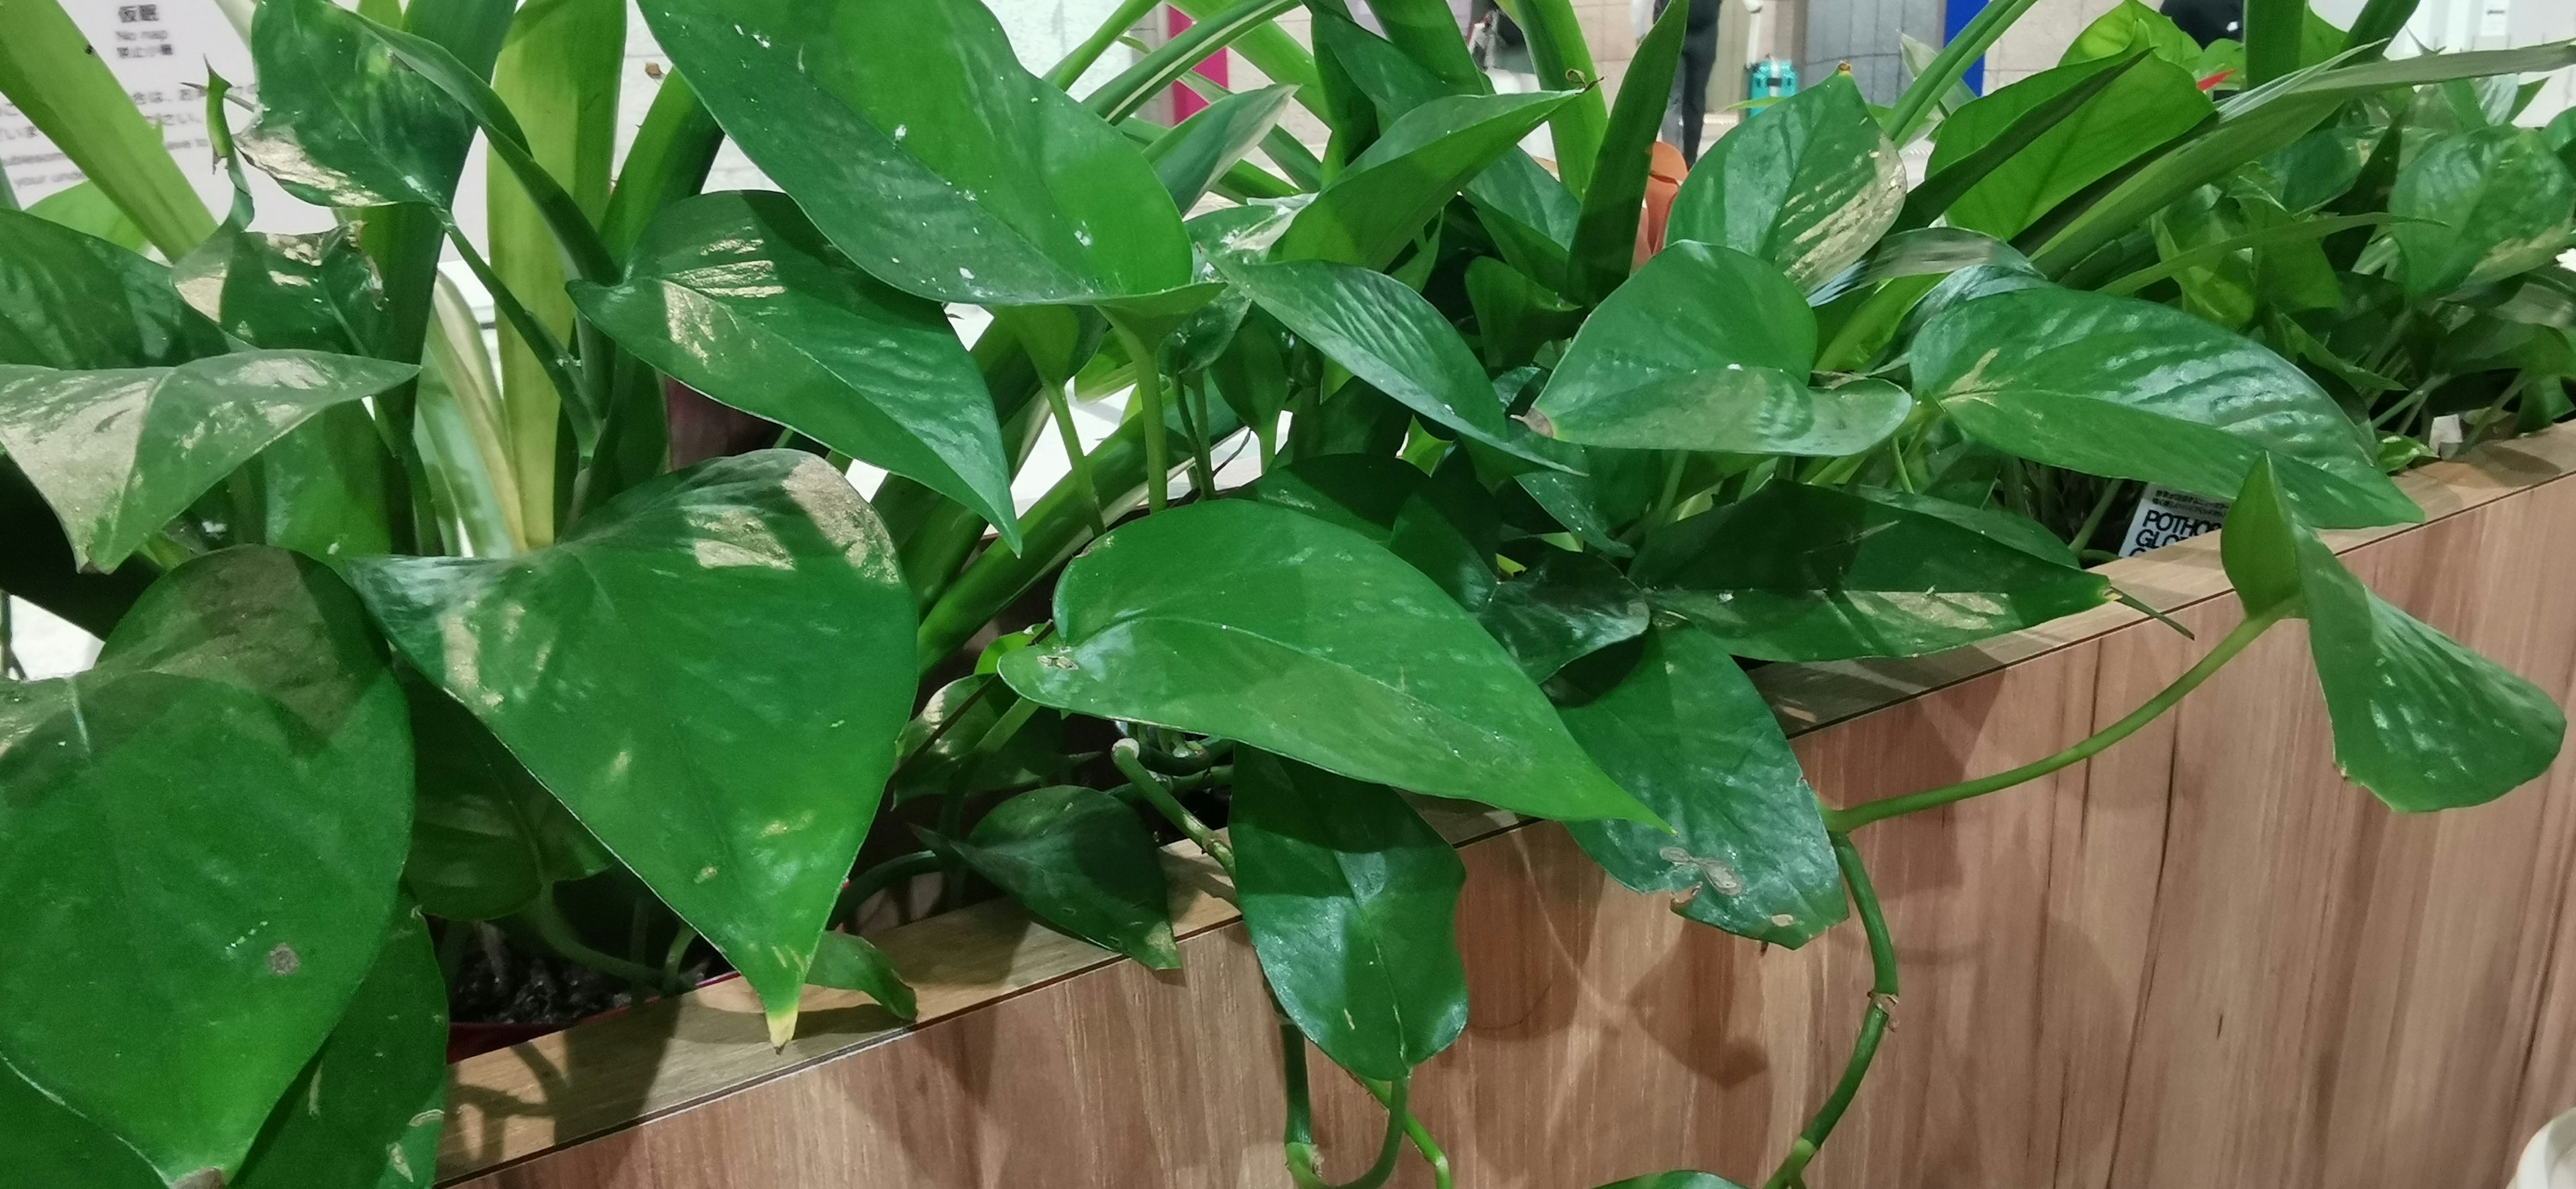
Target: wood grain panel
{"type": "Point", "coordinates": [2200, 959]}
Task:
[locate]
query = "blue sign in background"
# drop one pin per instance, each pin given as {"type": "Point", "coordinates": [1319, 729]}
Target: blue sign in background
{"type": "Point", "coordinates": [1955, 17]}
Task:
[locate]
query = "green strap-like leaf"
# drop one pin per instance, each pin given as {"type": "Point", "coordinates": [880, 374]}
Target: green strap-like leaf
{"type": "Point", "coordinates": [119, 453]}
{"type": "Point", "coordinates": [246, 900]}
{"type": "Point", "coordinates": [1807, 186]}
{"type": "Point", "coordinates": [1306, 639]}
{"type": "Point", "coordinates": [1351, 900]}
{"type": "Point", "coordinates": [2421, 722]}
{"type": "Point", "coordinates": [1078, 859]}
{"type": "Point", "coordinates": [737, 296]}
{"type": "Point", "coordinates": [1679, 724]}
{"type": "Point", "coordinates": [915, 140]}
{"type": "Point", "coordinates": [1605, 239]}
{"type": "Point", "coordinates": [737, 792]}
{"type": "Point", "coordinates": [2140, 391]}
{"type": "Point", "coordinates": [2140, 108]}
{"type": "Point", "coordinates": [1803, 573]}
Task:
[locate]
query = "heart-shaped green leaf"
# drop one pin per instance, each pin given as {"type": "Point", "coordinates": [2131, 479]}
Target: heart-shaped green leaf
{"type": "Point", "coordinates": [367, 1111]}
{"type": "Point", "coordinates": [1351, 900]}
{"type": "Point", "coordinates": [1306, 639]}
{"type": "Point", "coordinates": [1078, 859]}
{"type": "Point", "coordinates": [486, 837]}
{"type": "Point", "coordinates": [246, 901]}
{"type": "Point", "coordinates": [2141, 391]}
{"type": "Point", "coordinates": [1391, 502]}
{"type": "Point", "coordinates": [851, 964]}
{"type": "Point", "coordinates": [1797, 572]}
{"type": "Point", "coordinates": [70, 300]}
{"type": "Point", "coordinates": [1679, 725]}
{"type": "Point", "coordinates": [737, 296]}
{"type": "Point", "coordinates": [1391, 337]}
{"type": "Point", "coordinates": [341, 122]}
{"type": "Point", "coordinates": [1808, 186]}
{"type": "Point", "coordinates": [1379, 202]}
{"type": "Point", "coordinates": [119, 453]}
{"type": "Point", "coordinates": [2418, 720]}
{"type": "Point", "coordinates": [1564, 607]}
{"type": "Point", "coordinates": [2479, 205]}
{"type": "Point", "coordinates": [1707, 348]}
{"type": "Point", "coordinates": [913, 137]}
{"type": "Point", "coordinates": [737, 790]}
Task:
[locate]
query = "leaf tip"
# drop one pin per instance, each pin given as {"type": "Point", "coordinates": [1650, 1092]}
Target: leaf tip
{"type": "Point", "coordinates": [782, 1026]}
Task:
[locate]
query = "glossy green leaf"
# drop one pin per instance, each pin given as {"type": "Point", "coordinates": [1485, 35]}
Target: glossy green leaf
{"type": "Point", "coordinates": [1391, 337]}
{"type": "Point", "coordinates": [737, 296]}
{"type": "Point", "coordinates": [71, 300]}
{"type": "Point", "coordinates": [2491, 202]}
{"type": "Point", "coordinates": [1565, 607]}
{"type": "Point", "coordinates": [851, 964]}
{"type": "Point", "coordinates": [1675, 1180]}
{"type": "Point", "coordinates": [1808, 187]}
{"type": "Point", "coordinates": [367, 1111]}
{"type": "Point", "coordinates": [2129, 27]}
{"type": "Point", "coordinates": [46, 1143]}
{"type": "Point", "coordinates": [1531, 215]}
{"type": "Point", "coordinates": [1680, 725]}
{"type": "Point", "coordinates": [2421, 722]}
{"type": "Point", "coordinates": [1306, 639]}
{"type": "Point", "coordinates": [342, 123]}
{"type": "Point", "coordinates": [738, 791]}
{"type": "Point", "coordinates": [2129, 389]}
{"type": "Point", "coordinates": [1391, 502]}
{"type": "Point", "coordinates": [1351, 900]}
{"type": "Point", "coordinates": [1796, 572]}
{"type": "Point", "coordinates": [1707, 348]}
{"type": "Point", "coordinates": [267, 874]}
{"type": "Point", "coordinates": [486, 837]}
{"type": "Point", "coordinates": [1605, 240]}
{"type": "Point", "coordinates": [1078, 859]}
{"type": "Point", "coordinates": [915, 140]}
{"type": "Point", "coordinates": [967, 757]}
{"type": "Point", "coordinates": [1379, 202]}
{"type": "Point", "coordinates": [1965, 154]}
{"type": "Point", "coordinates": [2144, 106]}
{"type": "Point", "coordinates": [2011, 528]}
{"type": "Point", "coordinates": [119, 453]}
{"type": "Point", "coordinates": [87, 209]}
{"type": "Point", "coordinates": [1197, 151]}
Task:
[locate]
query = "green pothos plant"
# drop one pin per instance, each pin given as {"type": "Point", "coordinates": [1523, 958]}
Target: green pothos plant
{"type": "Point", "coordinates": [399, 638]}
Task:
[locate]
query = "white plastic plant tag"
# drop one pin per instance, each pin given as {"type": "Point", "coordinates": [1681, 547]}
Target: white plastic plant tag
{"type": "Point", "coordinates": [2165, 516]}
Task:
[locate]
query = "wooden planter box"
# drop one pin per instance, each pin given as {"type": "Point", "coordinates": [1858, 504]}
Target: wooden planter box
{"type": "Point", "coordinates": [2200, 960]}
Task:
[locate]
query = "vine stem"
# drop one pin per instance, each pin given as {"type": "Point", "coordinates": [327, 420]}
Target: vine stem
{"type": "Point", "coordinates": [1847, 820]}
{"type": "Point", "coordinates": [1149, 396]}
{"type": "Point", "coordinates": [1873, 1023]}
{"type": "Point", "coordinates": [1298, 1136]}
{"type": "Point", "coordinates": [1420, 1136]}
{"type": "Point", "coordinates": [1129, 755]}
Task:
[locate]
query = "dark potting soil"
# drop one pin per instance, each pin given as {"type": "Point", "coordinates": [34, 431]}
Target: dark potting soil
{"type": "Point", "coordinates": [502, 983]}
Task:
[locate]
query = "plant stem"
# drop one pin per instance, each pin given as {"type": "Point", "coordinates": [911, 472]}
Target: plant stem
{"type": "Point", "coordinates": [559, 935]}
{"type": "Point", "coordinates": [677, 954]}
{"type": "Point", "coordinates": [1299, 1137]}
{"type": "Point", "coordinates": [1873, 1023]}
{"type": "Point", "coordinates": [1129, 755]}
{"type": "Point", "coordinates": [1847, 820]}
{"type": "Point", "coordinates": [1385, 1094]}
{"type": "Point", "coordinates": [877, 879]}
{"type": "Point", "coordinates": [1149, 397]}
{"type": "Point", "coordinates": [1915, 105]}
{"type": "Point", "coordinates": [2093, 519]}
{"type": "Point", "coordinates": [1075, 460]}
{"type": "Point", "coordinates": [1564, 63]}
{"type": "Point", "coordinates": [1073, 64]}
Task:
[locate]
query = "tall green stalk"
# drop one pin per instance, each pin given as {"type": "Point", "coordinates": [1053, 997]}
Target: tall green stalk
{"type": "Point", "coordinates": [1564, 62]}
{"type": "Point", "coordinates": [50, 71]}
